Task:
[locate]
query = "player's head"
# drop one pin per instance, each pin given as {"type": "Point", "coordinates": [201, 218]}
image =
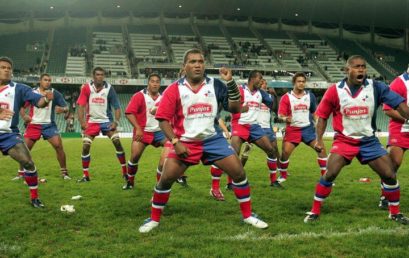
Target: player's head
{"type": "Point", "coordinates": [6, 69]}
{"type": "Point", "coordinates": [193, 65]}
{"type": "Point", "coordinates": [255, 78]}
{"type": "Point", "coordinates": [98, 75]}
{"type": "Point", "coordinates": [355, 69]}
{"type": "Point", "coordinates": [154, 83]}
{"type": "Point", "coordinates": [45, 81]}
{"type": "Point", "coordinates": [299, 79]}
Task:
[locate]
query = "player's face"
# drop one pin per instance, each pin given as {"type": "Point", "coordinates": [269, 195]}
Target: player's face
{"type": "Point", "coordinates": [299, 83]}
{"type": "Point", "coordinates": [45, 83]}
{"type": "Point", "coordinates": [257, 81]}
{"type": "Point", "coordinates": [5, 71]}
{"type": "Point", "coordinates": [99, 77]}
{"type": "Point", "coordinates": [194, 67]}
{"type": "Point", "coordinates": [356, 71]}
{"type": "Point", "coordinates": [154, 84]}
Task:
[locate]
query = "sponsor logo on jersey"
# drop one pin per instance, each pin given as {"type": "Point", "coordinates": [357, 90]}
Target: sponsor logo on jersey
{"type": "Point", "coordinates": [4, 105]}
{"type": "Point", "coordinates": [199, 108]}
{"type": "Point", "coordinates": [300, 107]}
{"type": "Point", "coordinates": [356, 111]}
{"type": "Point", "coordinates": [98, 100]}
{"type": "Point", "coordinates": [253, 104]}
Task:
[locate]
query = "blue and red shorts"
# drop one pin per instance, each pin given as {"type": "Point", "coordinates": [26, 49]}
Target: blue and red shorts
{"type": "Point", "coordinates": [208, 151]}
{"type": "Point", "coordinates": [35, 131]}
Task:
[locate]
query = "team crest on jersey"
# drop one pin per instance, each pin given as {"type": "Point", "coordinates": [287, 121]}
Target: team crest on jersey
{"type": "Point", "coordinates": [185, 96]}
{"type": "Point", "coordinates": [199, 108]}
{"type": "Point", "coordinates": [4, 105]}
{"type": "Point", "coordinates": [209, 94]}
{"type": "Point", "coordinates": [356, 111]}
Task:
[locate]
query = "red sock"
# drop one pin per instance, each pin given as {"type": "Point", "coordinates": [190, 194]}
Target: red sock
{"type": "Point", "coordinates": [272, 167]}
{"type": "Point", "coordinates": [322, 162]}
{"type": "Point", "coordinates": [283, 165]}
{"type": "Point", "coordinates": [216, 174]}
{"type": "Point", "coordinates": [31, 179]}
{"type": "Point", "coordinates": [86, 160]}
{"type": "Point", "coordinates": [160, 198]}
{"type": "Point", "coordinates": [392, 194]}
{"type": "Point", "coordinates": [322, 191]}
{"type": "Point", "coordinates": [132, 169]}
{"type": "Point", "coordinates": [122, 161]}
{"type": "Point", "coordinates": [242, 192]}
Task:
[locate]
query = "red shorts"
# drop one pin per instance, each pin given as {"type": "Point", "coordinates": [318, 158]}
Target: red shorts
{"type": "Point", "coordinates": [399, 140]}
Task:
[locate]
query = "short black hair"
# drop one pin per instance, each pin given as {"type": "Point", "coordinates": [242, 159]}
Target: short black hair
{"type": "Point", "coordinates": [353, 57]}
{"type": "Point", "coordinates": [253, 74]}
{"type": "Point", "coordinates": [98, 68]}
{"type": "Point", "coordinates": [154, 75]}
{"type": "Point", "coordinates": [6, 59]}
{"type": "Point", "coordinates": [191, 51]}
{"type": "Point", "coordinates": [298, 74]}
{"type": "Point", "coordinates": [43, 75]}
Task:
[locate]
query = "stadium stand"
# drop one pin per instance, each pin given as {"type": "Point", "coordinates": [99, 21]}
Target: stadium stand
{"type": "Point", "coordinates": [63, 41]}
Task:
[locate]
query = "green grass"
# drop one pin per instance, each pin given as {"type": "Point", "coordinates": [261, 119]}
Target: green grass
{"type": "Point", "coordinates": [106, 220]}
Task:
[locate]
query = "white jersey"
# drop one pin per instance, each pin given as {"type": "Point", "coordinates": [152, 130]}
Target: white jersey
{"type": "Point", "coordinates": [357, 111]}
{"type": "Point", "coordinates": [41, 115]}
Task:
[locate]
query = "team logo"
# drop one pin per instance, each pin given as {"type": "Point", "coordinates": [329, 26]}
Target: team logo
{"type": "Point", "coordinates": [356, 111]}
{"type": "Point", "coordinates": [199, 108]}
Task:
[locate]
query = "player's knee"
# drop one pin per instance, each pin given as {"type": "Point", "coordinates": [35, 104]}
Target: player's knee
{"type": "Point", "coordinates": [27, 164]}
{"type": "Point", "coordinates": [86, 141]}
{"type": "Point", "coordinates": [115, 137]}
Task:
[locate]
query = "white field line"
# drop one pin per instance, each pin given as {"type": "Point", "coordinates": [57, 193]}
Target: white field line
{"type": "Point", "coordinates": [250, 235]}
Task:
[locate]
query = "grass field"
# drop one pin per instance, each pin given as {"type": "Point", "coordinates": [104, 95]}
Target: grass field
{"type": "Point", "coordinates": [106, 220]}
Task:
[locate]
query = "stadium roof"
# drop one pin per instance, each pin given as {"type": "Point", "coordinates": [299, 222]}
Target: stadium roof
{"type": "Point", "coordinates": [380, 13]}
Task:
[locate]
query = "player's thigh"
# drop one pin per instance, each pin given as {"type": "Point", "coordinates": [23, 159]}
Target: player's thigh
{"type": "Point", "coordinates": [383, 166]}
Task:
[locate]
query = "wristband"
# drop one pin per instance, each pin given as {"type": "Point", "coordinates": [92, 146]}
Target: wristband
{"type": "Point", "coordinates": [233, 92]}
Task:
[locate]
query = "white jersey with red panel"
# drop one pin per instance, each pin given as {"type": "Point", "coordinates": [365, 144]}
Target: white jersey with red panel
{"type": "Point", "coordinates": [13, 96]}
{"type": "Point", "coordinates": [252, 99]}
{"type": "Point", "coordinates": [140, 106]}
{"type": "Point", "coordinates": [300, 109]}
{"type": "Point", "coordinates": [193, 113]}
{"type": "Point", "coordinates": [401, 86]}
{"type": "Point", "coordinates": [98, 102]}
{"type": "Point", "coordinates": [46, 115]}
{"type": "Point", "coordinates": [354, 113]}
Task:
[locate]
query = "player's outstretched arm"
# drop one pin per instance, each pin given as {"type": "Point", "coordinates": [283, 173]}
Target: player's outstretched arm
{"type": "Point", "coordinates": [403, 110]}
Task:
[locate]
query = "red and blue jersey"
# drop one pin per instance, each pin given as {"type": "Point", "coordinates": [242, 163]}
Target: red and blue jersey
{"type": "Point", "coordinates": [193, 113]}
{"type": "Point", "coordinates": [140, 106]}
{"type": "Point", "coordinates": [354, 112]}
{"type": "Point", "coordinates": [13, 96]}
{"type": "Point", "coordinates": [99, 102]}
{"type": "Point", "coordinates": [300, 109]}
{"type": "Point", "coordinates": [252, 99]}
{"type": "Point", "coordinates": [401, 86]}
{"type": "Point", "coordinates": [46, 115]}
